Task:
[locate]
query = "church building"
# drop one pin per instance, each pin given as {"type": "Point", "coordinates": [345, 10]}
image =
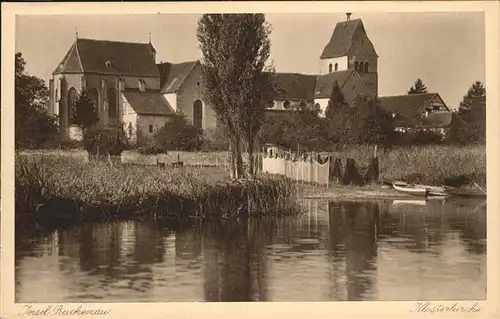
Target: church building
{"type": "Point", "coordinates": [131, 89]}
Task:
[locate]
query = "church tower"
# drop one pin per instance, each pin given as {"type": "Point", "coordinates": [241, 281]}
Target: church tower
{"type": "Point", "coordinates": [350, 48]}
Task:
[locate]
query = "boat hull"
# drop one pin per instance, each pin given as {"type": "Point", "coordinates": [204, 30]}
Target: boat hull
{"type": "Point", "coordinates": [411, 190]}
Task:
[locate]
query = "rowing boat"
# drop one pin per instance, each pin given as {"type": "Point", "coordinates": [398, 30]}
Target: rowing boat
{"type": "Point", "coordinates": [410, 189]}
{"type": "Point", "coordinates": [453, 191]}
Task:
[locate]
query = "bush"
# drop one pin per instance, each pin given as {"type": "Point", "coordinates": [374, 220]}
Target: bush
{"type": "Point", "coordinates": [104, 140]}
{"type": "Point", "coordinates": [179, 135]}
{"type": "Point", "coordinates": [215, 140]}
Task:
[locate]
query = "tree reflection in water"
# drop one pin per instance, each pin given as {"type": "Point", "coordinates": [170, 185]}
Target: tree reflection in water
{"type": "Point", "coordinates": [249, 260]}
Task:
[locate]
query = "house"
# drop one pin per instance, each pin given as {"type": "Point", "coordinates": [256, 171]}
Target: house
{"type": "Point", "coordinates": [426, 111]}
{"type": "Point", "coordinates": [130, 89]}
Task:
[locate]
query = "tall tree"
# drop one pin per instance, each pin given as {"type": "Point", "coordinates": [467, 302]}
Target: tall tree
{"type": "Point", "coordinates": [418, 87]}
{"type": "Point", "coordinates": [469, 121]}
{"type": "Point", "coordinates": [33, 125]}
{"type": "Point", "coordinates": [85, 113]}
{"type": "Point", "coordinates": [336, 101]}
{"type": "Point", "coordinates": [235, 50]}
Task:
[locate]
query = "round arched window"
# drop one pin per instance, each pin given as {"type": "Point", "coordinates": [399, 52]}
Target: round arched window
{"type": "Point", "coordinates": [270, 104]}
{"type": "Point", "coordinates": [286, 105]}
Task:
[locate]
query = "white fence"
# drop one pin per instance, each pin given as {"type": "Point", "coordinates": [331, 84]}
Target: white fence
{"type": "Point", "coordinates": [306, 170]}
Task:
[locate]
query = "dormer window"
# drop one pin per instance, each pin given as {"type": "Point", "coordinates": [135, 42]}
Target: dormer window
{"type": "Point", "coordinates": [108, 64]}
{"type": "Point", "coordinates": [142, 86]}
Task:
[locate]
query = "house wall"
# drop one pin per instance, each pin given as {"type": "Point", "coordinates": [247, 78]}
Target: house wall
{"type": "Point", "coordinates": [191, 90]}
{"type": "Point", "coordinates": [129, 119]}
{"type": "Point", "coordinates": [342, 64]}
{"type": "Point", "coordinates": [278, 105]}
{"type": "Point", "coordinates": [171, 99]}
{"type": "Point", "coordinates": [143, 123]}
{"type": "Point", "coordinates": [362, 50]}
{"type": "Point", "coordinates": [323, 104]}
{"type": "Point", "coordinates": [93, 81]}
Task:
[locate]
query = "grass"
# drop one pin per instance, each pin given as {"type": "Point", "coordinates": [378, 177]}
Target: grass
{"type": "Point", "coordinates": [425, 164]}
{"type": "Point", "coordinates": [60, 189]}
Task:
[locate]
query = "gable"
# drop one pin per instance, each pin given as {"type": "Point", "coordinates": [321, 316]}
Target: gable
{"type": "Point", "coordinates": [70, 63]}
{"type": "Point", "coordinates": [172, 76]}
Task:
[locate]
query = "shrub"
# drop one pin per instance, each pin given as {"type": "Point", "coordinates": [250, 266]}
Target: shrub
{"type": "Point", "coordinates": [104, 140]}
{"type": "Point", "coordinates": [179, 135]}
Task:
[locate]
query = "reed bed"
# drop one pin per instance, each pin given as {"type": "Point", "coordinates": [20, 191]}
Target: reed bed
{"type": "Point", "coordinates": [60, 189]}
{"type": "Point", "coordinates": [424, 164]}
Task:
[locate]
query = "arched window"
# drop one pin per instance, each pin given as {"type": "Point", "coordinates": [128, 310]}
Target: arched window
{"type": "Point", "coordinates": [356, 65]}
{"type": "Point", "coordinates": [336, 66]}
{"type": "Point", "coordinates": [367, 66]}
{"type": "Point", "coordinates": [270, 104]}
{"type": "Point", "coordinates": [198, 114]}
{"type": "Point", "coordinates": [286, 105]}
{"type": "Point", "coordinates": [94, 96]}
{"type": "Point", "coordinates": [330, 68]}
{"type": "Point", "coordinates": [112, 106]}
{"type": "Point", "coordinates": [72, 98]}
{"type": "Point", "coordinates": [361, 67]}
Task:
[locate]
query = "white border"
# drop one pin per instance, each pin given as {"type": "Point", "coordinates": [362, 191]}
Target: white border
{"type": "Point", "coordinates": [490, 308]}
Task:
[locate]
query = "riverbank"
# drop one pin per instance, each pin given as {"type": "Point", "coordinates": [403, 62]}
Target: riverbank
{"type": "Point", "coordinates": [432, 165]}
{"type": "Point", "coordinates": [60, 190]}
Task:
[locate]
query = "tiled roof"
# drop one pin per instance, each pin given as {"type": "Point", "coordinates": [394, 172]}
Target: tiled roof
{"type": "Point", "coordinates": [324, 83]}
{"type": "Point", "coordinates": [112, 57]}
{"type": "Point", "coordinates": [294, 85]}
{"type": "Point", "coordinates": [341, 41]}
{"type": "Point", "coordinates": [409, 109]}
{"type": "Point", "coordinates": [148, 103]}
{"type": "Point", "coordinates": [173, 75]}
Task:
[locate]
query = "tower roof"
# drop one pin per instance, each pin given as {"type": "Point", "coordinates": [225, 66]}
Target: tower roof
{"type": "Point", "coordinates": [342, 38]}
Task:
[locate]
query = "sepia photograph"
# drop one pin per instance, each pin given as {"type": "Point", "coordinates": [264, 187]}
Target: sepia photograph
{"type": "Point", "coordinates": [249, 157]}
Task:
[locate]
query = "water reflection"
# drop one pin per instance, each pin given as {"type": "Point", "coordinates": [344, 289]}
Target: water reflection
{"type": "Point", "coordinates": [336, 251]}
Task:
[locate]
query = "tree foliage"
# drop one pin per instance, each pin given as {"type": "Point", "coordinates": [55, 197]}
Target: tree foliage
{"type": "Point", "coordinates": [418, 87]}
{"type": "Point", "coordinates": [33, 125]}
{"type": "Point", "coordinates": [85, 113]}
{"type": "Point", "coordinates": [179, 135]}
{"type": "Point", "coordinates": [469, 121]}
{"type": "Point", "coordinates": [235, 50]}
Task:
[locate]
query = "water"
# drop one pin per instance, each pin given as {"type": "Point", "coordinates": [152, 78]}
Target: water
{"type": "Point", "coordinates": [337, 251]}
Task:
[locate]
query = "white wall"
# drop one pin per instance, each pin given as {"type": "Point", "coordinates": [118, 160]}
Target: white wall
{"type": "Point", "coordinates": [129, 117]}
{"type": "Point", "coordinates": [171, 99]}
{"type": "Point", "coordinates": [342, 64]}
{"type": "Point", "coordinates": [323, 104]}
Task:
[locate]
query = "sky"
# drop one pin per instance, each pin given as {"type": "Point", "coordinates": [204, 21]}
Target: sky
{"type": "Point", "coordinates": [445, 49]}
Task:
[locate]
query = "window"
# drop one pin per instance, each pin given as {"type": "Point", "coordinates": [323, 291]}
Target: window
{"type": "Point", "coordinates": [150, 128]}
{"type": "Point", "coordinates": [72, 97]}
{"type": "Point", "coordinates": [336, 66]}
{"type": "Point", "coordinates": [286, 105]}
{"type": "Point", "coordinates": [330, 68]}
{"type": "Point", "coordinates": [270, 104]}
{"type": "Point", "coordinates": [94, 95]}
{"type": "Point", "coordinates": [361, 67]}
{"type": "Point", "coordinates": [356, 65]}
{"type": "Point", "coordinates": [303, 105]}
{"type": "Point", "coordinates": [142, 85]}
{"type": "Point", "coordinates": [112, 105]}
{"type": "Point", "coordinates": [367, 66]}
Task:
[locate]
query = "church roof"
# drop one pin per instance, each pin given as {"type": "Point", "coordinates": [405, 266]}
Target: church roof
{"type": "Point", "coordinates": [148, 103]}
{"type": "Point", "coordinates": [172, 75]}
{"type": "Point", "coordinates": [109, 57]}
{"type": "Point", "coordinates": [294, 85]}
{"type": "Point", "coordinates": [324, 83]}
{"type": "Point", "coordinates": [409, 109]}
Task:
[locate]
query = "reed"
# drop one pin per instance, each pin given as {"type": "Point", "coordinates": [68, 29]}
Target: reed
{"type": "Point", "coordinates": [53, 188]}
